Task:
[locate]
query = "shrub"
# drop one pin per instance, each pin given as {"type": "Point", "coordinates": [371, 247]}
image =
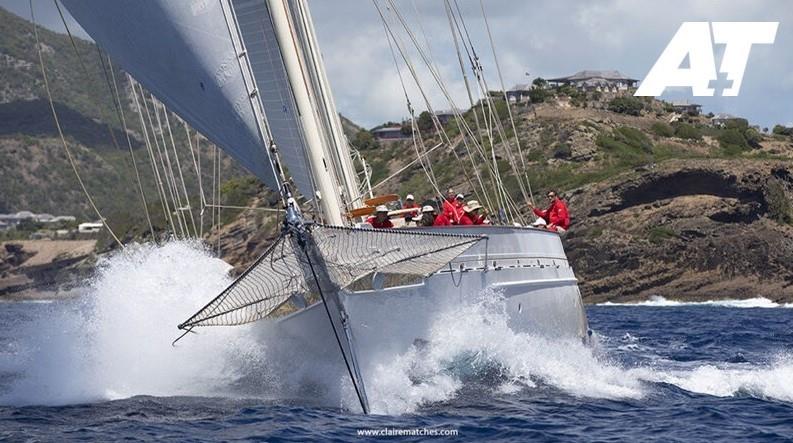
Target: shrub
{"type": "Point", "coordinates": [626, 105]}
{"type": "Point", "coordinates": [753, 137]}
{"type": "Point", "coordinates": [537, 95]}
{"type": "Point", "coordinates": [780, 209]}
{"type": "Point", "coordinates": [663, 130]}
{"type": "Point", "coordinates": [782, 130]}
{"type": "Point", "coordinates": [733, 142]}
{"type": "Point", "coordinates": [634, 138]}
{"type": "Point", "coordinates": [563, 151]}
{"type": "Point", "coordinates": [425, 122]}
{"type": "Point", "coordinates": [686, 131]}
{"type": "Point", "coordinates": [364, 140]}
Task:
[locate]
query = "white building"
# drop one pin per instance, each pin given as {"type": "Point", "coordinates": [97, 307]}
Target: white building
{"type": "Point", "coordinates": [89, 228]}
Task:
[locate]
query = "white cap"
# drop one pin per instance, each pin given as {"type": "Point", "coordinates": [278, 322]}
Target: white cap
{"type": "Point", "coordinates": [409, 197]}
{"type": "Point", "coordinates": [428, 208]}
{"type": "Point", "coordinates": [539, 222]}
{"type": "Point", "coordinates": [381, 208]}
{"type": "Point", "coordinates": [461, 196]}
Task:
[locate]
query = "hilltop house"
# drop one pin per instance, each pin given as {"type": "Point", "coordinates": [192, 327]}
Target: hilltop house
{"type": "Point", "coordinates": [393, 132]}
{"type": "Point", "coordinates": [684, 107]}
{"type": "Point", "coordinates": [519, 93]}
{"type": "Point", "coordinates": [89, 228]}
{"type": "Point", "coordinates": [445, 116]}
{"type": "Point", "coordinates": [721, 119]}
{"type": "Point", "coordinates": [596, 81]}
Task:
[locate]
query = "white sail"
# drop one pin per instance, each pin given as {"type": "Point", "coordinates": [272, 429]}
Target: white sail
{"type": "Point", "coordinates": [183, 52]}
{"type": "Point", "coordinates": [275, 91]}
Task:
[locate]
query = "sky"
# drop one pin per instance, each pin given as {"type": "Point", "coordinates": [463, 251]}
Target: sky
{"type": "Point", "coordinates": [531, 39]}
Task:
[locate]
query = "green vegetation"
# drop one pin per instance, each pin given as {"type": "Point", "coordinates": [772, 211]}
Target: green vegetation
{"type": "Point", "coordinates": [780, 208]}
{"type": "Point", "coordinates": [662, 129]}
{"type": "Point", "coordinates": [733, 142]}
{"type": "Point", "coordinates": [660, 234]}
{"type": "Point", "coordinates": [687, 131]}
{"type": "Point", "coordinates": [364, 140]}
{"type": "Point", "coordinates": [626, 105]}
{"type": "Point", "coordinates": [783, 130]}
{"type": "Point", "coordinates": [563, 151]}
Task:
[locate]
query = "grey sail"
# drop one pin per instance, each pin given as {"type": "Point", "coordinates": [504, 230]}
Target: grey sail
{"type": "Point", "coordinates": [258, 33]}
{"type": "Point", "coordinates": [183, 52]}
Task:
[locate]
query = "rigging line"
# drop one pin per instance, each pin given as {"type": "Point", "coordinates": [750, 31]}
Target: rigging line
{"type": "Point", "coordinates": [83, 67]}
{"type": "Point", "coordinates": [482, 84]}
{"type": "Point", "coordinates": [214, 188]}
{"type": "Point", "coordinates": [217, 182]}
{"type": "Point", "coordinates": [458, 117]}
{"type": "Point", "coordinates": [200, 182]}
{"type": "Point", "coordinates": [189, 207]}
{"type": "Point", "coordinates": [170, 176]}
{"type": "Point", "coordinates": [117, 101]}
{"type": "Point", "coordinates": [509, 107]}
{"type": "Point", "coordinates": [477, 70]}
{"type": "Point", "coordinates": [449, 15]}
{"type": "Point", "coordinates": [381, 182]}
{"type": "Point", "coordinates": [251, 208]}
{"type": "Point", "coordinates": [168, 186]}
{"type": "Point", "coordinates": [168, 168]}
{"type": "Point", "coordinates": [150, 150]}
{"type": "Point", "coordinates": [427, 168]}
{"type": "Point", "coordinates": [60, 130]}
{"type": "Point", "coordinates": [201, 199]}
{"type": "Point", "coordinates": [435, 121]}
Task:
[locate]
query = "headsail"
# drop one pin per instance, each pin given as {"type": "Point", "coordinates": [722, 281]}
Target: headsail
{"type": "Point", "coordinates": [349, 255]}
{"type": "Point", "coordinates": [184, 54]}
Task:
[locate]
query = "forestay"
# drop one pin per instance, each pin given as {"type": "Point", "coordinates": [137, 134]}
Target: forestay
{"type": "Point", "coordinates": [349, 255]}
{"type": "Point", "coordinates": [182, 51]}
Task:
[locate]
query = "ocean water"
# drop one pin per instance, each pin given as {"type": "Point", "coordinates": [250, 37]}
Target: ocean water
{"type": "Point", "coordinates": [101, 367]}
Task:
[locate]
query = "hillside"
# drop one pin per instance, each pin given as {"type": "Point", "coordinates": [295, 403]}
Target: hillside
{"type": "Point", "coordinates": [35, 174]}
{"type": "Point", "coordinates": [686, 209]}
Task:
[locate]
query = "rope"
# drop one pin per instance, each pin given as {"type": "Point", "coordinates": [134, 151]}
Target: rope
{"type": "Point", "coordinates": [120, 109]}
{"type": "Point", "coordinates": [160, 187]}
{"type": "Point", "coordinates": [60, 130]}
{"type": "Point", "coordinates": [188, 207]}
{"type": "Point", "coordinates": [509, 106]}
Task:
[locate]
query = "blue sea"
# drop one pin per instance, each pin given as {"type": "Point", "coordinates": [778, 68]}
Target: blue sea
{"type": "Point", "coordinates": [100, 367]}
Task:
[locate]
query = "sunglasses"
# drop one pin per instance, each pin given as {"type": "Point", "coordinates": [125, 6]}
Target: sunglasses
{"type": "Point", "coordinates": [550, 195]}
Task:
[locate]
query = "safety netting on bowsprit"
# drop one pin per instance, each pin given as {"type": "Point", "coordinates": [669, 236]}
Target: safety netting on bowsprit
{"type": "Point", "coordinates": [276, 284]}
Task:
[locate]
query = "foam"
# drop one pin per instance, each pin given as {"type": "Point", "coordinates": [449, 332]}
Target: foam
{"type": "Point", "coordinates": [658, 301]}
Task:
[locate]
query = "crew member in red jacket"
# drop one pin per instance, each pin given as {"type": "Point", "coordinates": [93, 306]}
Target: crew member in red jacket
{"type": "Point", "coordinates": [473, 214]}
{"type": "Point", "coordinates": [380, 219]}
{"type": "Point", "coordinates": [453, 206]}
{"type": "Point", "coordinates": [556, 216]}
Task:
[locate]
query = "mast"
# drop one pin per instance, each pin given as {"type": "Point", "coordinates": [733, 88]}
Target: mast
{"type": "Point", "coordinates": [329, 198]}
{"type": "Point", "coordinates": [336, 131]}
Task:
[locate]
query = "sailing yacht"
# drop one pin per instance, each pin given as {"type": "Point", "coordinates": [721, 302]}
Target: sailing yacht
{"type": "Point", "coordinates": [249, 76]}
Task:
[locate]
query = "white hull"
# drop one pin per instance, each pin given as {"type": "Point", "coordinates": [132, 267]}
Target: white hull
{"type": "Point", "coordinates": [527, 267]}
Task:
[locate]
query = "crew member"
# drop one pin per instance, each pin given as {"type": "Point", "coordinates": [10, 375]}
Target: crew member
{"type": "Point", "coordinates": [556, 217]}
{"type": "Point", "coordinates": [380, 219]}
{"type": "Point", "coordinates": [474, 214]}
{"type": "Point", "coordinates": [410, 203]}
{"type": "Point", "coordinates": [427, 217]}
{"type": "Point", "coordinates": [441, 220]}
{"type": "Point", "coordinates": [453, 206]}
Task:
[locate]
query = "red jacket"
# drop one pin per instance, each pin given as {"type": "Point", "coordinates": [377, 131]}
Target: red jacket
{"type": "Point", "coordinates": [466, 219]}
{"type": "Point", "coordinates": [555, 215]}
{"type": "Point", "coordinates": [385, 224]}
{"type": "Point", "coordinates": [453, 210]}
{"type": "Point", "coordinates": [442, 220]}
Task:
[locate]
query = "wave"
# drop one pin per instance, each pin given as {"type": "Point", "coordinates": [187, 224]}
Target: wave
{"type": "Point", "coordinates": [115, 342]}
{"type": "Point", "coordinates": [659, 301]}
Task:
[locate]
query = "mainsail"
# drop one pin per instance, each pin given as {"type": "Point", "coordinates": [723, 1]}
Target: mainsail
{"type": "Point", "coordinates": [264, 53]}
{"type": "Point", "coordinates": [183, 52]}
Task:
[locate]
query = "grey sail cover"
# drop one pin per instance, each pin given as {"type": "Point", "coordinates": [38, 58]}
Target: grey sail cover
{"type": "Point", "coordinates": [182, 51]}
{"type": "Point", "coordinates": [279, 104]}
